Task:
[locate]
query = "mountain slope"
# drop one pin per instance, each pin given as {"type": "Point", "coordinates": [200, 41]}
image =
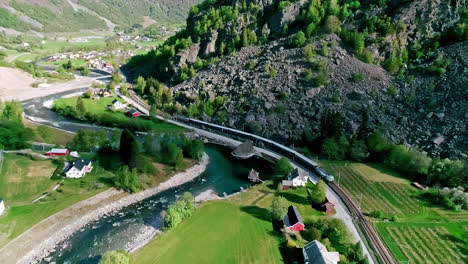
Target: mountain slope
{"type": "Point", "coordinates": [74, 15]}
{"type": "Point", "coordinates": [365, 66]}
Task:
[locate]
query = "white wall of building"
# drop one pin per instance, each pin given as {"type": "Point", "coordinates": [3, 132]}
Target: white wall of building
{"type": "Point", "coordinates": [2, 207]}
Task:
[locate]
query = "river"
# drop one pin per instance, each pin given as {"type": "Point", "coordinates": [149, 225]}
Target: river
{"type": "Point", "coordinates": [127, 228]}
{"type": "Point", "coordinates": [131, 226]}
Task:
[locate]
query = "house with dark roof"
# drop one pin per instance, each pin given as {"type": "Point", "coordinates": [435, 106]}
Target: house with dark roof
{"type": "Point", "coordinates": [297, 178]}
{"type": "Point", "coordinates": [293, 220]}
{"type": "Point", "coordinates": [133, 113]}
{"type": "Point", "coordinates": [2, 206]}
{"type": "Point", "coordinates": [316, 253]}
{"type": "Point", "coordinates": [245, 150]}
{"type": "Point", "coordinates": [78, 168]}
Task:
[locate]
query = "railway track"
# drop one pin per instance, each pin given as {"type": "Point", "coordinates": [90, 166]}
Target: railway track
{"type": "Point", "coordinates": [376, 244]}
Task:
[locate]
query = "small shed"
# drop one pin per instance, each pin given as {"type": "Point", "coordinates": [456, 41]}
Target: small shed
{"type": "Point", "coordinates": [254, 176]}
{"type": "Point", "coordinates": [58, 152]}
{"type": "Point", "coordinates": [327, 207]}
{"type": "Point", "coordinates": [244, 151]}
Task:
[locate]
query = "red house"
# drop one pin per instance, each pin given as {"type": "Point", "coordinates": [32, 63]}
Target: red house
{"type": "Point", "coordinates": [58, 152]}
{"type": "Point", "coordinates": [133, 113]}
{"type": "Point", "coordinates": [293, 220]}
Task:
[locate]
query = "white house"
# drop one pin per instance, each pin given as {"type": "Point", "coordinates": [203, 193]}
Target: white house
{"type": "Point", "coordinates": [2, 206]}
{"type": "Point", "coordinates": [78, 168]}
{"type": "Point", "coordinates": [297, 178]}
{"type": "Point", "coordinates": [316, 253]}
{"type": "Point", "coordinates": [117, 105]}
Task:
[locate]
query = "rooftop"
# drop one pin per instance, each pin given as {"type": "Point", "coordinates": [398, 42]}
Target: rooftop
{"type": "Point", "coordinates": [292, 217]}
{"type": "Point", "coordinates": [316, 253]}
{"type": "Point", "coordinates": [244, 150]}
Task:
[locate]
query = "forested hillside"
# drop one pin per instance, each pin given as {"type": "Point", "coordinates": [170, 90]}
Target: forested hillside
{"type": "Point", "coordinates": [305, 71]}
{"type": "Point", "coordinates": [75, 15]}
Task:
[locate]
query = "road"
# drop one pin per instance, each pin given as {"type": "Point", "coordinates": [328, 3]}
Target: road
{"type": "Point", "coordinates": [341, 210]}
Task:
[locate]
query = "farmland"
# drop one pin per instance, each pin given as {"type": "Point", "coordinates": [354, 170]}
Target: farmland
{"type": "Point", "coordinates": [423, 233]}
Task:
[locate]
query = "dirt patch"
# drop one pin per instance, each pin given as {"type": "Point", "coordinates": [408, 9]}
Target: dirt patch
{"type": "Point", "coordinates": [14, 81]}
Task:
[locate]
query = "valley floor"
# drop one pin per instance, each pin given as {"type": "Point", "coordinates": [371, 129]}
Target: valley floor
{"type": "Point", "coordinates": [69, 210]}
{"type": "Point", "coordinates": [235, 230]}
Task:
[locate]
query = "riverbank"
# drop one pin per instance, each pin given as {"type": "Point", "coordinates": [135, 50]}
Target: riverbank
{"type": "Point", "coordinates": [36, 243]}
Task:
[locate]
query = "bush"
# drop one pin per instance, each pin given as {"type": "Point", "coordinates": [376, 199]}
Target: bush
{"type": "Point", "coordinates": [181, 209]}
{"type": "Point", "coordinates": [366, 56]}
{"type": "Point", "coordinates": [333, 24]}
{"type": "Point", "coordinates": [298, 40]}
{"type": "Point", "coordinates": [356, 77]}
{"type": "Point", "coordinates": [377, 214]}
{"type": "Point", "coordinates": [115, 257]}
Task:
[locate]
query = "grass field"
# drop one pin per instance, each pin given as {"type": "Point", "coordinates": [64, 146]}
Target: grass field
{"type": "Point", "coordinates": [76, 63]}
{"type": "Point", "coordinates": [22, 179]}
{"type": "Point", "coordinates": [47, 134]}
{"type": "Point", "coordinates": [22, 214]}
{"type": "Point", "coordinates": [425, 233]}
{"type": "Point", "coordinates": [99, 107]}
{"type": "Point", "coordinates": [237, 230]}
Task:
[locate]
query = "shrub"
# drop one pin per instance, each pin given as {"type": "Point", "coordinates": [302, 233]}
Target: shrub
{"type": "Point", "coordinates": [366, 56]}
{"type": "Point", "coordinates": [333, 24]}
{"type": "Point", "coordinates": [252, 64]}
{"type": "Point", "coordinates": [310, 29]}
{"type": "Point", "coordinates": [309, 52]}
{"type": "Point", "coordinates": [298, 40]}
{"type": "Point", "coordinates": [356, 77]}
{"type": "Point", "coordinates": [115, 257]}
{"type": "Point", "coordinates": [377, 214]}
{"type": "Point", "coordinates": [283, 4]}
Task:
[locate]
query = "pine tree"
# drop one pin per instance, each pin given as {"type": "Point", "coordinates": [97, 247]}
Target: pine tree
{"type": "Point", "coordinates": [129, 148]}
{"type": "Point", "coordinates": [80, 108]}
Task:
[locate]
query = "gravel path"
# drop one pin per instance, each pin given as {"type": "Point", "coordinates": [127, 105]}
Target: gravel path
{"type": "Point", "coordinates": [39, 240]}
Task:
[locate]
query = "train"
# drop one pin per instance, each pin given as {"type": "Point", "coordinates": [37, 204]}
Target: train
{"type": "Point", "coordinates": [270, 144]}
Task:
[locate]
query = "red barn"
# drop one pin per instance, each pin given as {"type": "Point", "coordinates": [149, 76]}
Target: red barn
{"type": "Point", "coordinates": [133, 113]}
{"type": "Point", "coordinates": [58, 152]}
{"type": "Point", "coordinates": [293, 220]}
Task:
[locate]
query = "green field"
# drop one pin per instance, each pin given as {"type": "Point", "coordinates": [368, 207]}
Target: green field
{"type": "Point", "coordinates": [76, 63]}
{"type": "Point", "coordinates": [237, 230]}
{"type": "Point", "coordinates": [23, 180]}
{"type": "Point", "coordinates": [424, 233]}
{"type": "Point", "coordinates": [50, 135]}
{"type": "Point", "coordinates": [100, 107]}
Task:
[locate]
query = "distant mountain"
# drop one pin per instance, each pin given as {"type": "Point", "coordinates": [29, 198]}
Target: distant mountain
{"type": "Point", "coordinates": [75, 15]}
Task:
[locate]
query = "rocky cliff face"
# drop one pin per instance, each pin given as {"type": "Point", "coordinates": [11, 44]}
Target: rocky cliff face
{"type": "Point", "coordinates": [284, 106]}
{"type": "Point", "coordinates": [267, 87]}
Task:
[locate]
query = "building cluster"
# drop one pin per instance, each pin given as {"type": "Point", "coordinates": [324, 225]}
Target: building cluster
{"type": "Point", "coordinates": [73, 169]}
{"type": "Point", "coordinates": [95, 59]}
{"type": "Point", "coordinates": [314, 252]}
